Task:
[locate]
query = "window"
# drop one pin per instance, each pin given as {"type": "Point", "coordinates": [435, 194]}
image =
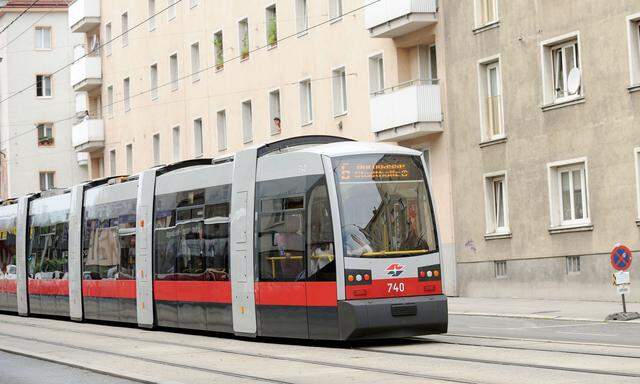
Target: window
{"type": "Point", "coordinates": [247, 122]}
{"type": "Point", "coordinates": [46, 181]}
{"type": "Point", "coordinates": [125, 29]}
{"type": "Point", "coordinates": [197, 138]}
{"type": "Point", "coordinates": [306, 102]}
{"type": "Point", "coordinates": [156, 149]}
{"type": "Point", "coordinates": [173, 69]}
{"type": "Point", "coordinates": [569, 197]}
{"type": "Point", "coordinates": [108, 37]}
{"type": "Point", "coordinates": [221, 120]}
{"type": "Point", "coordinates": [243, 38]}
{"type": "Point", "coordinates": [302, 16]}
{"type": "Point", "coordinates": [152, 12]}
{"type": "Point", "coordinates": [153, 80]}
{"type": "Point", "coordinates": [376, 74]}
{"type": "Point", "coordinates": [496, 207]}
{"type": "Point", "coordinates": [561, 69]}
{"type": "Point", "coordinates": [43, 37]}
{"type": "Point", "coordinates": [573, 265]}
{"type": "Point", "coordinates": [195, 62]}
{"type": "Point", "coordinates": [176, 143]}
{"type": "Point", "coordinates": [194, 3]}
{"type": "Point", "coordinates": [633, 32]}
{"type": "Point", "coordinates": [490, 85]}
{"type": "Point", "coordinates": [110, 100]}
{"type": "Point", "coordinates": [48, 246]}
{"type": "Point", "coordinates": [428, 62]}
{"type": "Point", "coordinates": [335, 9]}
{"type": "Point", "coordinates": [45, 134]}
{"type": "Point", "coordinates": [218, 50]}
{"type": "Point", "coordinates": [171, 10]}
{"type": "Point", "coordinates": [112, 162]}
{"type": "Point", "coordinates": [637, 158]}
{"type": "Point", "coordinates": [129, 152]}
{"type": "Point", "coordinates": [274, 112]}
{"type": "Point", "coordinates": [486, 12]}
{"type": "Point", "coordinates": [272, 26]}
{"type": "Point", "coordinates": [501, 269]}
{"type": "Point", "coordinates": [339, 91]}
{"type": "Point", "coordinates": [126, 84]}
{"type": "Point", "coordinates": [43, 86]}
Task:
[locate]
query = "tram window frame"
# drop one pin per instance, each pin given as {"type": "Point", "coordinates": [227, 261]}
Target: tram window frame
{"type": "Point", "coordinates": [39, 263]}
{"type": "Point", "coordinates": [8, 252]}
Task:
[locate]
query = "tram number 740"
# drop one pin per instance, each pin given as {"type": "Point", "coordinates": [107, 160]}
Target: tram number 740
{"type": "Point", "coordinates": [395, 287]}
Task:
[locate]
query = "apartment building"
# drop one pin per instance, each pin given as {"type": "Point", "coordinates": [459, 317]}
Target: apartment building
{"type": "Point", "coordinates": [180, 79]}
{"type": "Point", "coordinates": [36, 103]}
{"type": "Point", "coordinates": [543, 110]}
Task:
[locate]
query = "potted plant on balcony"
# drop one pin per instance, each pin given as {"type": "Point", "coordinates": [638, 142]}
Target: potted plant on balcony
{"type": "Point", "coordinates": [45, 141]}
{"type": "Point", "coordinates": [272, 32]}
{"type": "Point", "coordinates": [217, 43]}
{"type": "Point", "coordinates": [244, 50]}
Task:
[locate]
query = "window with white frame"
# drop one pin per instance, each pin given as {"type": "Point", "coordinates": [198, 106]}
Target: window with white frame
{"type": "Point", "coordinates": [568, 182]}
{"type": "Point", "coordinates": [110, 100]}
{"type": "Point", "coordinates": [302, 16]}
{"type": "Point", "coordinates": [176, 143]}
{"type": "Point", "coordinates": [152, 11]}
{"type": "Point", "coordinates": [490, 81]}
{"type": "Point", "coordinates": [633, 32]}
{"type": "Point", "coordinates": [306, 102]}
{"type": "Point", "coordinates": [428, 62]}
{"type": "Point", "coordinates": [486, 12]}
{"type": "Point", "coordinates": [221, 122]}
{"type": "Point", "coordinates": [125, 29]}
{"type": "Point", "coordinates": [562, 77]}
{"type": "Point", "coordinates": [173, 71]}
{"type": "Point", "coordinates": [108, 36]}
{"type": "Point", "coordinates": [637, 161]}
{"type": "Point", "coordinates": [335, 9]}
{"type": "Point", "coordinates": [194, 3]}
{"type": "Point", "coordinates": [129, 152]}
{"type": "Point", "coordinates": [126, 91]}
{"type": "Point", "coordinates": [45, 134]}
{"type": "Point", "coordinates": [496, 203]}
{"type": "Point", "coordinates": [43, 86]}
{"type": "Point", "coordinates": [376, 74]}
{"type": "Point", "coordinates": [156, 149]}
{"type": "Point", "coordinates": [153, 81]}
{"type": "Point", "coordinates": [339, 80]}
{"type": "Point", "coordinates": [271, 18]}
{"type": "Point", "coordinates": [195, 62]}
{"type": "Point", "coordinates": [197, 138]}
{"type": "Point", "coordinates": [43, 37]}
{"type": "Point", "coordinates": [247, 122]}
{"type": "Point", "coordinates": [243, 38]}
{"type": "Point", "coordinates": [274, 112]}
{"type": "Point", "coordinates": [112, 162]}
{"type": "Point", "coordinates": [46, 181]}
{"type": "Point", "coordinates": [171, 10]}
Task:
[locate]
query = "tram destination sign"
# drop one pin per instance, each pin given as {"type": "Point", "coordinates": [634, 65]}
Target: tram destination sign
{"type": "Point", "coordinates": [385, 169]}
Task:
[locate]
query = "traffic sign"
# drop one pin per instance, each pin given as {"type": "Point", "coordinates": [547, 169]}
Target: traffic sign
{"type": "Point", "coordinates": [621, 258]}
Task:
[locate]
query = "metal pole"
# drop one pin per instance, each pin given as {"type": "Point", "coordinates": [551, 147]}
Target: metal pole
{"type": "Point", "coordinates": [624, 304]}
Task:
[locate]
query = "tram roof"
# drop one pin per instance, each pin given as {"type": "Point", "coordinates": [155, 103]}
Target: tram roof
{"type": "Point", "coordinates": [358, 148]}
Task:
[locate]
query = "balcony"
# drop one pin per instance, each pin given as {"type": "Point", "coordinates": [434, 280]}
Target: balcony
{"type": "Point", "coordinates": [83, 158]}
{"type": "Point", "coordinates": [86, 74]}
{"type": "Point", "coordinates": [393, 18]}
{"type": "Point", "coordinates": [88, 135]}
{"type": "Point", "coordinates": [84, 15]}
{"type": "Point", "coordinates": [406, 111]}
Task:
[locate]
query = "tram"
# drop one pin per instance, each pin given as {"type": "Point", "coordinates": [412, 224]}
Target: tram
{"type": "Point", "coordinates": [314, 237]}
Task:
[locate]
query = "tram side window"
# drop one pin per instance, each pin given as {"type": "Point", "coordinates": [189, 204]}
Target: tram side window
{"type": "Point", "coordinates": [285, 247]}
{"type": "Point", "coordinates": [109, 241]}
{"type": "Point", "coordinates": [8, 248]}
{"type": "Point", "coordinates": [192, 235]}
{"type": "Point", "coordinates": [48, 246]}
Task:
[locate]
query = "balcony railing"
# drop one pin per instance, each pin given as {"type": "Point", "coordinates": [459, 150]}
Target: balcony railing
{"type": "Point", "coordinates": [88, 135]}
{"type": "Point", "coordinates": [86, 74]}
{"type": "Point", "coordinates": [393, 18]}
{"type": "Point", "coordinates": [84, 15]}
{"type": "Point", "coordinates": [407, 110]}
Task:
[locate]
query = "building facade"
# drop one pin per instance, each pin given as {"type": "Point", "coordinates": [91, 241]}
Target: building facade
{"type": "Point", "coordinates": [544, 118]}
{"type": "Point", "coordinates": [37, 108]}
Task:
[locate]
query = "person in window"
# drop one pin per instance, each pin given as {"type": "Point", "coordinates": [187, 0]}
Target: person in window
{"type": "Point", "coordinates": [277, 122]}
{"type": "Point", "coordinates": [86, 115]}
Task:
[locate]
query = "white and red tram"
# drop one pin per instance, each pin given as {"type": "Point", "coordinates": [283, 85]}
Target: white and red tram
{"type": "Point", "coordinates": [313, 237]}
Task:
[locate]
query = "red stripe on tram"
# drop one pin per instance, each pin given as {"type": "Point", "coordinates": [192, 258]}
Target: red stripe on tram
{"type": "Point", "coordinates": [8, 286]}
{"type": "Point", "coordinates": [115, 289]}
{"type": "Point", "coordinates": [312, 294]}
{"type": "Point", "coordinates": [193, 291]}
{"type": "Point", "coordinates": [49, 287]}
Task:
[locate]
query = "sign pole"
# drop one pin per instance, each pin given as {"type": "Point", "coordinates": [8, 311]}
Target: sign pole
{"type": "Point", "coordinates": [624, 305]}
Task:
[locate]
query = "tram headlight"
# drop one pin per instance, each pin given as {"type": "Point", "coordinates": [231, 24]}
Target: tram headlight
{"type": "Point", "coordinates": [429, 273]}
{"type": "Point", "coordinates": [358, 276]}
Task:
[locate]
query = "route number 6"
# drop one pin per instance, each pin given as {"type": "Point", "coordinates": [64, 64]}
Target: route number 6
{"type": "Point", "coordinates": [395, 287]}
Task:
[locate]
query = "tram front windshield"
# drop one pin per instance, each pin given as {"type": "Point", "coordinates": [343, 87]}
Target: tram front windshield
{"type": "Point", "coordinates": [385, 206]}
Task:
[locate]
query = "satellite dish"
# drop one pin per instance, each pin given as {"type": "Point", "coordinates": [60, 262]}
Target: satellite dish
{"type": "Point", "coordinates": [573, 81]}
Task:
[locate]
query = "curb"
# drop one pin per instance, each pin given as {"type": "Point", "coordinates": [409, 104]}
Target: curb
{"type": "Point", "coordinates": [539, 317]}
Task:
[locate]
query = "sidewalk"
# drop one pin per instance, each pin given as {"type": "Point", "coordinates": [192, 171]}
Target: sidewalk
{"type": "Point", "coordinates": [538, 309]}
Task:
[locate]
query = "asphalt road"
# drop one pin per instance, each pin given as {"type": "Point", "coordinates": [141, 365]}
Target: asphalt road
{"type": "Point", "coordinates": [15, 369]}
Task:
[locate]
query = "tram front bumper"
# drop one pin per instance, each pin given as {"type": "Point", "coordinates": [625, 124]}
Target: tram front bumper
{"type": "Point", "coordinates": [392, 318]}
